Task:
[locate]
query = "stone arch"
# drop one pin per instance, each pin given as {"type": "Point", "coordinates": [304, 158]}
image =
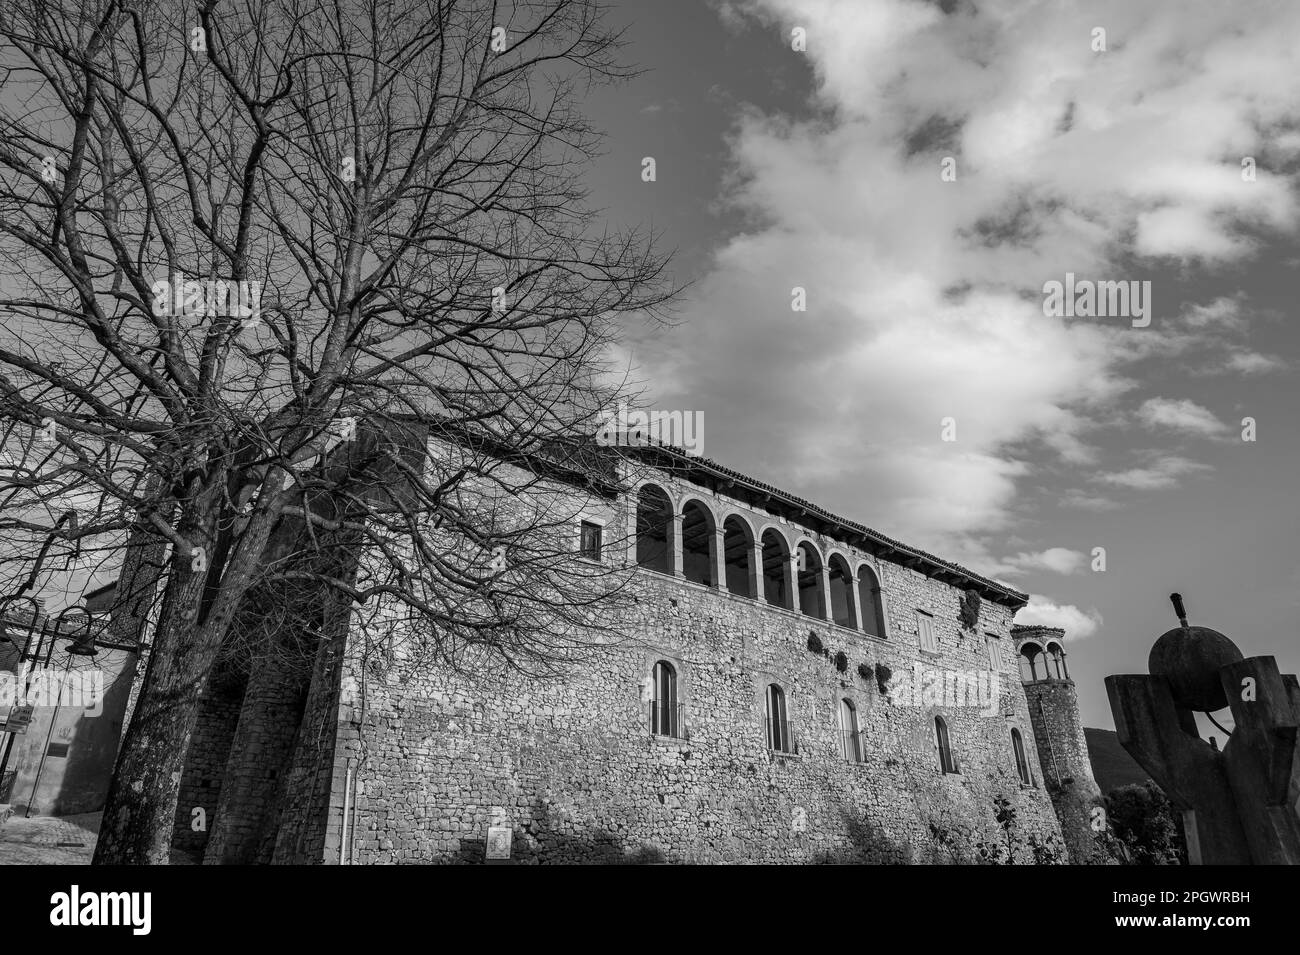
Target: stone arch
{"type": "Point", "coordinates": [871, 599]}
{"type": "Point", "coordinates": [840, 582]}
{"type": "Point", "coordinates": [1032, 661]}
{"type": "Point", "coordinates": [738, 556]}
{"type": "Point", "coordinates": [654, 518]}
{"type": "Point", "coordinates": [1054, 661]}
{"type": "Point", "coordinates": [809, 579]}
{"type": "Point", "coordinates": [776, 569]}
{"type": "Point", "coordinates": [699, 542]}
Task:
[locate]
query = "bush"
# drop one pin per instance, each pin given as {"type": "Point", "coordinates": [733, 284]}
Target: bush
{"type": "Point", "coordinates": [1146, 824]}
{"type": "Point", "coordinates": [883, 673]}
{"type": "Point", "coordinates": [815, 643]}
{"type": "Point", "coordinates": [970, 610]}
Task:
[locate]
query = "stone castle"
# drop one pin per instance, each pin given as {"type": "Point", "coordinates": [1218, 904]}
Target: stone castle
{"type": "Point", "coordinates": [787, 686]}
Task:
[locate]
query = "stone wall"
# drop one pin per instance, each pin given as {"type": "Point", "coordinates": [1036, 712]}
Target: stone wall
{"type": "Point", "coordinates": [569, 763]}
{"type": "Point", "coordinates": [205, 766]}
{"type": "Point", "coordinates": [1054, 708]}
{"type": "Point", "coordinates": [1063, 753]}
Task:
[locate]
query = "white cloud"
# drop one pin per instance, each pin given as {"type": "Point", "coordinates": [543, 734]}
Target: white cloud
{"type": "Point", "coordinates": [1088, 502]}
{"type": "Point", "coordinates": [924, 296]}
{"type": "Point", "coordinates": [1164, 473]}
{"type": "Point", "coordinates": [1184, 415]}
{"type": "Point", "coordinates": [1058, 560]}
{"type": "Point", "coordinates": [1223, 312]}
{"type": "Point", "coordinates": [1253, 363]}
{"type": "Point", "coordinates": [1076, 623]}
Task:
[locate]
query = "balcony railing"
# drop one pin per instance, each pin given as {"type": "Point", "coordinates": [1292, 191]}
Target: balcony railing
{"type": "Point", "coordinates": [667, 719]}
{"type": "Point", "coordinates": [780, 736]}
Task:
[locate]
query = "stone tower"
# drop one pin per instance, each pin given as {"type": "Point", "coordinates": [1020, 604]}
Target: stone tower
{"type": "Point", "coordinates": [1058, 733]}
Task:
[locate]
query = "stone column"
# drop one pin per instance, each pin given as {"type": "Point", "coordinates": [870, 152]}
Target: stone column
{"type": "Point", "coordinates": [719, 556]}
{"type": "Point", "coordinates": [855, 599]}
{"type": "Point", "coordinates": [824, 585]}
{"type": "Point", "coordinates": [260, 751]}
{"type": "Point", "coordinates": [674, 529]}
{"type": "Point", "coordinates": [756, 581]}
{"type": "Point", "coordinates": [629, 543]}
{"type": "Point", "coordinates": [792, 579]}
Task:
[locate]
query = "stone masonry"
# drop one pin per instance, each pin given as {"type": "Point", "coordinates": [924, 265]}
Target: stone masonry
{"type": "Point", "coordinates": [1063, 748]}
{"type": "Point", "coordinates": [571, 766]}
{"type": "Point", "coordinates": [400, 761]}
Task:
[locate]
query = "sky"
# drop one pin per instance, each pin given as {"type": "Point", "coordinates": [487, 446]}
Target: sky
{"type": "Point", "coordinates": [922, 171]}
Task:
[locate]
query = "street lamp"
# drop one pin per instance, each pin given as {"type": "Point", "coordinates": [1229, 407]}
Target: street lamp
{"type": "Point", "coordinates": [82, 644]}
{"type": "Point", "coordinates": [24, 654]}
{"type": "Point", "coordinates": [31, 625]}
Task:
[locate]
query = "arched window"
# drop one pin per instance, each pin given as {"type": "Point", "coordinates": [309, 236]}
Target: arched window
{"type": "Point", "coordinates": [654, 512]}
{"type": "Point", "coordinates": [738, 554]}
{"type": "Point", "coordinates": [698, 541]}
{"type": "Point", "coordinates": [779, 734]}
{"type": "Point", "coordinates": [841, 582]}
{"type": "Point", "coordinates": [1055, 662]}
{"type": "Point", "coordinates": [946, 763]}
{"type": "Point", "coordinates": [851, 739]}
{"type": "Point", "coordinates": [776, 570]}
{"type": "Point", "coordinates": [665, 711]}
{"type": "Point", "coordinates": [1031, 662]}
{"type": "Point", "coordinates": [873, 608]}
{"type": "Point", "coordinates": [810, 581]}
{"type": "Point", "coordinates": [1022, 764]}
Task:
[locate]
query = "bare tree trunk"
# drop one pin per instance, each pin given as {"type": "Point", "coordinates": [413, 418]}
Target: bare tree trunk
{"type": "Point", "coordinates": [141, 807]}
{"type": "Point", "coordinates": [390, 228]}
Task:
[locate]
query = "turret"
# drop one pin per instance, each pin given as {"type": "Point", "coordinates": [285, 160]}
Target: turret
{"type": "Point", "coordinates": [1058, 733]}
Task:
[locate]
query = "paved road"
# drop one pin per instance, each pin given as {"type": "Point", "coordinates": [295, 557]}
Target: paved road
{"type": "Point", "coordinates": [58, 840]}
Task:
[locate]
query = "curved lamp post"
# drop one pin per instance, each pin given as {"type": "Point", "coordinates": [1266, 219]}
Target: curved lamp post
{"type": "Point", "coordinates": [82, 644]}
{"type": "Point", "coordinates": [24, 654]}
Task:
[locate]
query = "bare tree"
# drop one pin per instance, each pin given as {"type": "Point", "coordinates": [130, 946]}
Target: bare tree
{"type": "Point", "coordinates": [246, 245]}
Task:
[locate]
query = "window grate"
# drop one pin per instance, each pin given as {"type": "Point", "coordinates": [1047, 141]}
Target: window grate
{"type": "Point", "coordinates": [668, 719]}
{"type": "Point", "coordinates": [780, 736]}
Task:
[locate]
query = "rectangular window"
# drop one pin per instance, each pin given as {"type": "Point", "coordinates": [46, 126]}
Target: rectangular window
{"type": "Point", "coordinates": [995, 651]}
{"type": "Point", "coordinates": [589, 541]}
{"type": "Point", "coordinates": [925, 631]}
{"type": "Point", "coordinates": [779, 735]}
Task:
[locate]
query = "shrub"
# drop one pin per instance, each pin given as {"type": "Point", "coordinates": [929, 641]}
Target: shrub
{"type": "Point", "coordinates": [883, 673]}
{"type": "Point", "coordinates": [1145, 823]}
{"type": "Point", "coordinates": [970, 609]}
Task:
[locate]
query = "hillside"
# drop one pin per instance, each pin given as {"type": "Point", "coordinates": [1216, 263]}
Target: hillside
{"type": "Point", "coordinates": [1112, 766]}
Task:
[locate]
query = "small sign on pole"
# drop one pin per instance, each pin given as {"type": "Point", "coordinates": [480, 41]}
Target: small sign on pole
{"type": "Point", "coordinates": [20, 717]}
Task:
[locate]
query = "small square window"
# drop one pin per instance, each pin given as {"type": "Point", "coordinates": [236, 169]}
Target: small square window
{"type": "Point", "coordinates": [589, 541]}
